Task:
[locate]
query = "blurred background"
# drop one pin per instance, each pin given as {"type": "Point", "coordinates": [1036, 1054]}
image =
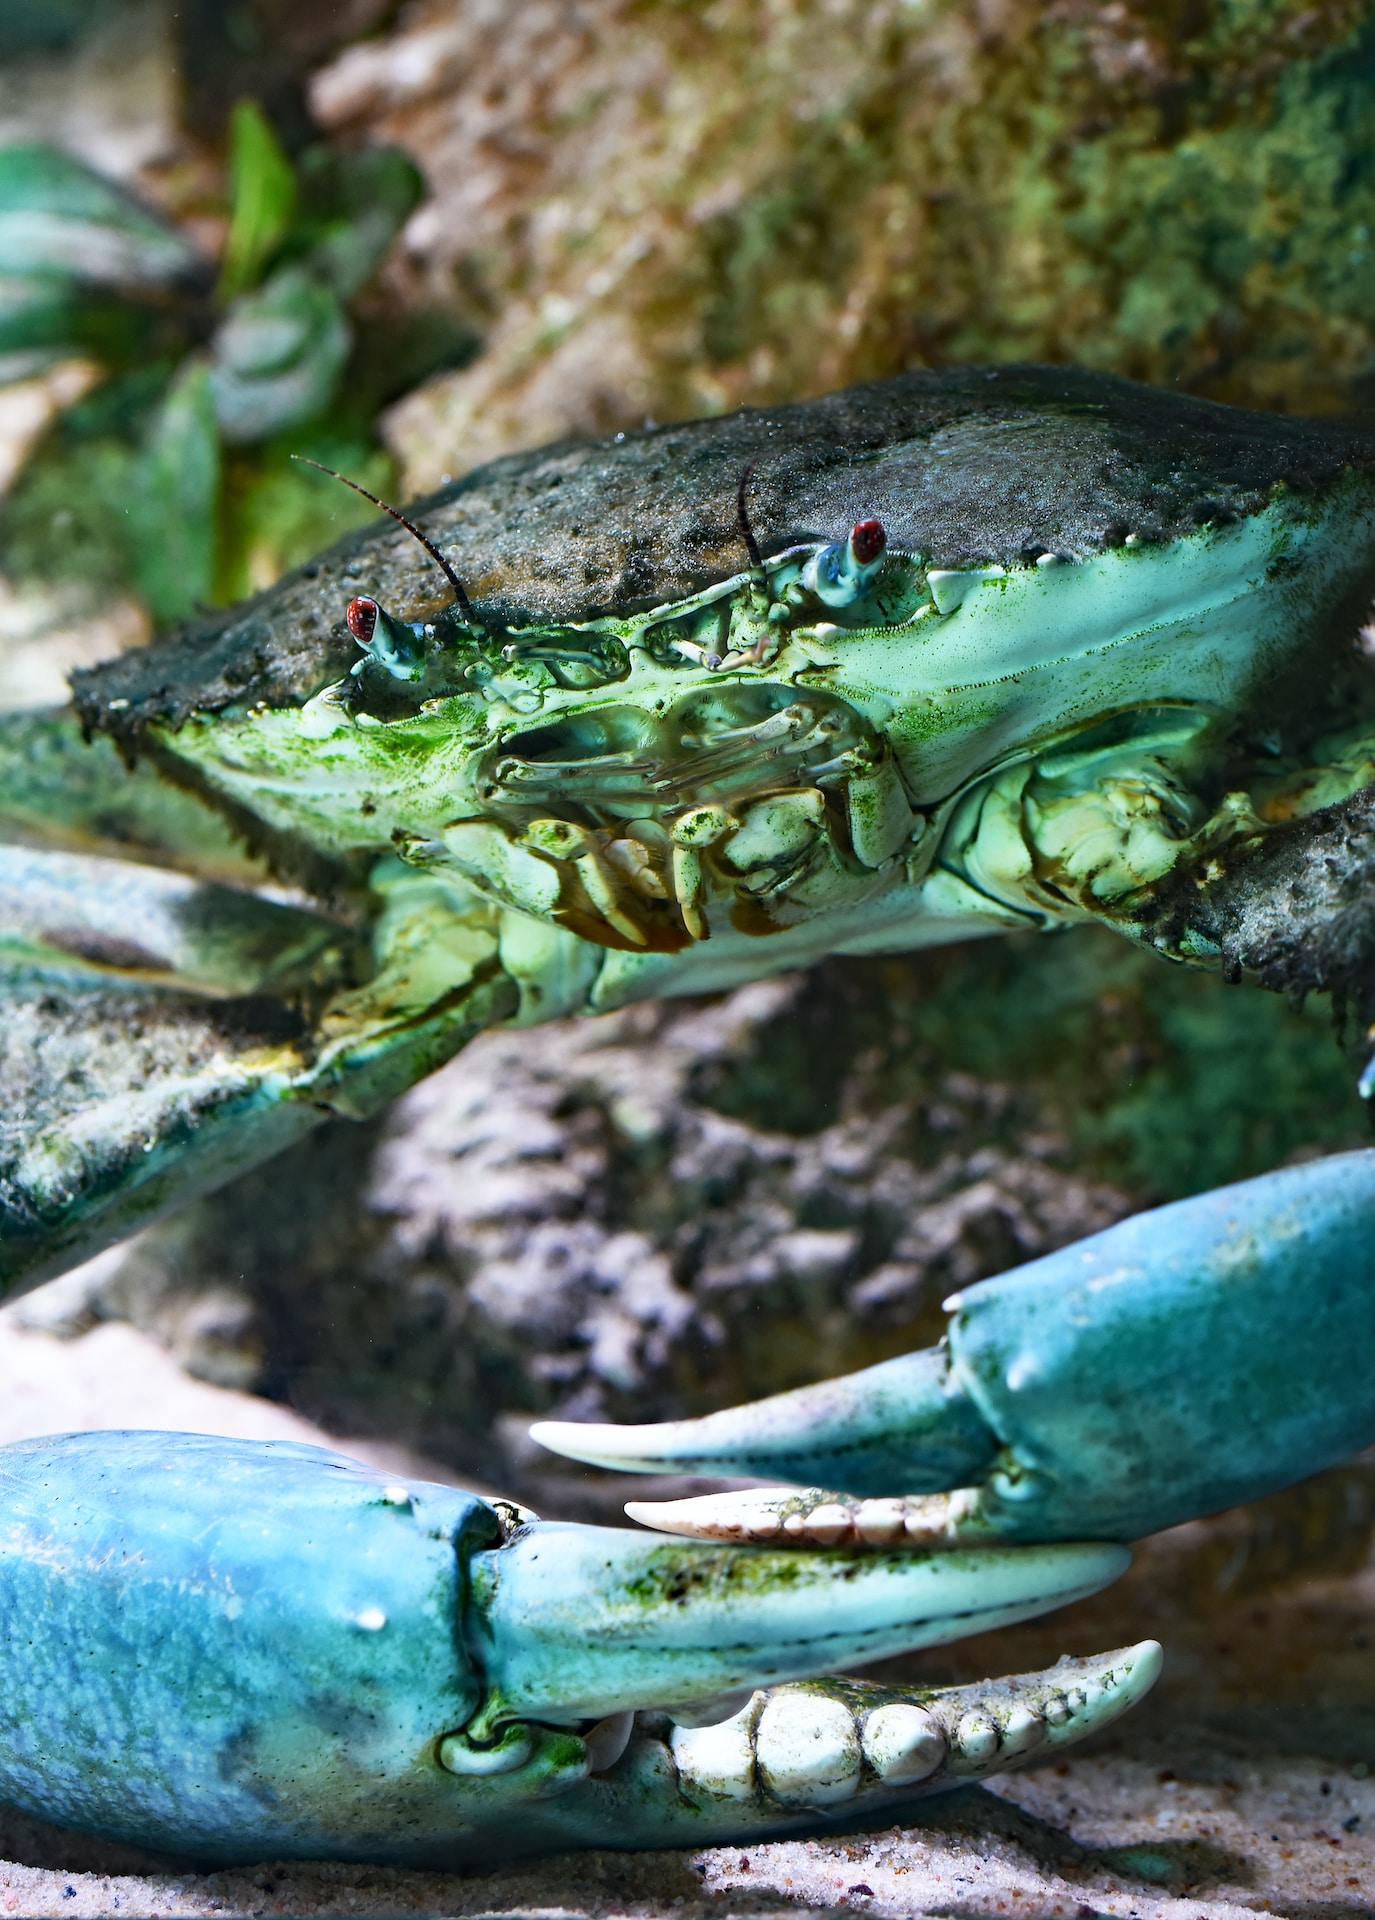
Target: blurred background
{"type": "Point", "coordinates": [403, 240]}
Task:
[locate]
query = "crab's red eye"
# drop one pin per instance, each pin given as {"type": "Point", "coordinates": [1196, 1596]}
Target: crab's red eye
{"type": "Point", "coordinates": [361, 615]}
{"type": "Point", "coordinates": [868, 541]}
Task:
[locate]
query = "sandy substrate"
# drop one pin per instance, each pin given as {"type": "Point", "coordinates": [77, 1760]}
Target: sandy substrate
{"type": "Point", "coordinates": [1242, 1787]}
{"type": "Point", "coordinates": [1105, 1837]}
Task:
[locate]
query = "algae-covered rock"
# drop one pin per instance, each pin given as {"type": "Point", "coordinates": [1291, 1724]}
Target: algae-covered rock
{"type": "Point", "coordinates": [665, 210]}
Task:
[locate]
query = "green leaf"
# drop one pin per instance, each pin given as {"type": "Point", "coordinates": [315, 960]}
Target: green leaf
{"type": "Point", "coordinates": [352, 207]}
{"type": "Point", "coordinates": [263, 200]}
{"type": "Point", "coordinates": [171, 525]}
{"type": "Point", "coordinates": [67, 517]}
{"type": "Point", "coordinates": [43, 26]}
{"type": "Point", "coordinates": [37, 320]}
{"type": "Point", "coordinates": [278, 356]}
{"type": "Point", "coordinates": [44, 318]}
{"type": "Point", "coordinates": [64, 222]}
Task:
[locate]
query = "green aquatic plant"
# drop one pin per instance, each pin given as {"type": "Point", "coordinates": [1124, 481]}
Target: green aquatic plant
{"type": "Point", "coordinates": [171, 478]}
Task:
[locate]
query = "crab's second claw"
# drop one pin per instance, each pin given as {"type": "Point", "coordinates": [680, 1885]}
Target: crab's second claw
{"type": "Point", "coordinates": [1184, 1360]}
{"type": "Point", "coordinates": [572, 1622]}
{"type": "Point", "coordinates": [905, 1425]}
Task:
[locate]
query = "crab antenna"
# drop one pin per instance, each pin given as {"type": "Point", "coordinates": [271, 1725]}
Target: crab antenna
{"type": "Point", "coordinates": [742, 518]}
{"type": "Point", "coordinates": [465, 605]}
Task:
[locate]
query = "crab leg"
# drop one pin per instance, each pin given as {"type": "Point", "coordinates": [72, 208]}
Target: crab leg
{"type": "Point", "coordinates": [163, 1033]}
{"type": "Point", "coordinates": [1182, 1361]}
{"type": "Point", "coordinates": [89, 920]}
{"type": "Point", "coordinates": [58, 790]}
{"type": "Point", "coordinates": [244, 1649]}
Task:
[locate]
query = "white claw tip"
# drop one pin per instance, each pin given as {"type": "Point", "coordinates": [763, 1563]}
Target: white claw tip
{"type": "Point", "coordinates": [596, 1445]}
{"type": "Point", "coordinates": [1143, 1662]}
{"type": "Point", "coordinates": [1106, 1687]}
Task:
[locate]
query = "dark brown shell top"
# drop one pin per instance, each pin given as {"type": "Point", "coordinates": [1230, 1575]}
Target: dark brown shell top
{"type": "Point", "coordinates": [968, 466]}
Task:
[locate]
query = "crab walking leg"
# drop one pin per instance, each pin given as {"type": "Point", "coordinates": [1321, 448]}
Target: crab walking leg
{"type": "Point", "coordinates": [243, 1650]}
{"type": "Point", "coordinates": [163, 1033]}
{"type": "Point", "coordinates": [86, 920]}
{"type": "Point", "coordinates": [1184, 1360]}
{"type": "Point", "coordinates": [150, 1043]}
{"type": "Point", "coordinates": [61, 790]}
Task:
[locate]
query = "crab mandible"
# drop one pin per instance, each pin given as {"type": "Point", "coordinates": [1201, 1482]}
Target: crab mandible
{"type": "Point", "coordinates": [1013, 648]}
{"type": "Point", "coordinates": [248, 1651]}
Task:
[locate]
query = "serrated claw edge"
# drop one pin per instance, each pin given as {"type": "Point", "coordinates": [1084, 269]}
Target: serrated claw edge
{"type": "Point", "coordinates": [821, 1743]}
{"type": "Point", "coordinates": [812, 1517]}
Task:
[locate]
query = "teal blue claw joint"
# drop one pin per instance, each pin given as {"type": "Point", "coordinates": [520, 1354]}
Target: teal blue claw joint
{"type": "Point", "coordinates": [1189, 1358]}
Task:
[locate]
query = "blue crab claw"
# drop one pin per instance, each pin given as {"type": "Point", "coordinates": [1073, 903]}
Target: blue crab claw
{"type": "Point", "coordinates": [242, 1650]}
{"type": "Point", "coordinates": [1184, 1360]}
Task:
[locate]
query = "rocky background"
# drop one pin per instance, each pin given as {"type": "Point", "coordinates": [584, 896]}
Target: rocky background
{"type": "Point", "coordinates": [677, 1206]}
{"type": "Point", "coordinates": [666, 210]}
{"type": "Point", "coordinates": [644, 209]}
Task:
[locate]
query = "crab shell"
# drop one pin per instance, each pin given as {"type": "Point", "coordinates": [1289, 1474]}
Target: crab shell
{"type": "Point", "coordinates": [1087, 593]}
{"type": "Point", "coordinates": [970, 467]}
{"type": "Point", "coordinates": [1104, 638]}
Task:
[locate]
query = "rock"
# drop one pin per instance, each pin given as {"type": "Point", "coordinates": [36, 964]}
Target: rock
{"type": "Point", "coordinates": [686, 1204]}
{"type": "Point", "coordinates": [666, 211]}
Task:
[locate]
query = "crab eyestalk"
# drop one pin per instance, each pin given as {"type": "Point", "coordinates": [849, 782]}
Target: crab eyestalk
{"type": "Point", "coordinates": [841, 574]}
{"type": "Point", "coordinates": [397, 646]}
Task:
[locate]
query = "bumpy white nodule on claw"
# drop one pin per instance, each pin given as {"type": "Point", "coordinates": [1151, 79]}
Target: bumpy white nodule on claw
{"type": "Point", "coordinates": [822, 1743]}
{"type": "Point", "coordinates": [812, 1517]}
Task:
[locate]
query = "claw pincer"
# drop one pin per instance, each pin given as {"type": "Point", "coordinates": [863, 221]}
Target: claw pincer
{"type": "Point", "coordinates": [240, 1650]}
{"type": "Point", "coordinates": [1187, 1359]}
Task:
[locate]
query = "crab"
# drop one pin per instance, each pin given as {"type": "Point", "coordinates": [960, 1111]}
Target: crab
{"type": "Point", "coordinates": [945, 655]}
